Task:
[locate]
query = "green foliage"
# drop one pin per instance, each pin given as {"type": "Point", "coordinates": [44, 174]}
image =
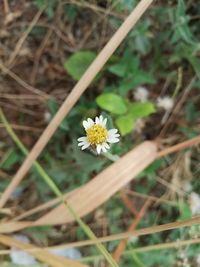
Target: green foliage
{"type": "Point", "coordinates": [128, 112]}
{"type": "Point", "coordinates": [125, 124]}
{"type": "Point", "coordinates": [191, 113]}
{"type": "Point", "coordinates": [130, 73]}
{"type": "Point", "coordinates": [141, 110]}
{"type": "Point", "coordinates": [77, 64]}
{"type": "Point", "coordinates": [49, 6]}
{"type": "Point", "coordinates": [185, 211]}
{"type": "Point", "coordinates": [182, 30]}
{"type": "Point", "coordinates": [10, 158]}
{"type": "Point", "coordinates": [112, 103]}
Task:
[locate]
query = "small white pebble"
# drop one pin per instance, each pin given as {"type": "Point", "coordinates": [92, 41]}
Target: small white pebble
{"type": "Point", "coordinates": [165, 103]}
{"type": "Point", "coordinates": [141, 94]}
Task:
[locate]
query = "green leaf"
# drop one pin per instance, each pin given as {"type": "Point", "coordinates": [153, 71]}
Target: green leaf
{"type": "Point", "coordinates": [182, 29]}
{"type": "Point", "coordinates": [140, 110]}
{"type": "Point", "coordinates": [77, 64]}
{"type": "Point", "coordinates": [10, 158]}
{"type": "Point", "coordinates": [185, 211]}
{"type": "Point", "coordinates": [125, 124]}
{"type": "Point", "coordinates": [112, 103]}
{"type": "Point", "coordinates": [195, 62]}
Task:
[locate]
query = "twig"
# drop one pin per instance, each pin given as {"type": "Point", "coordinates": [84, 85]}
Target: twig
{"type": "Point", "coordinates": [6, 6]}
{"type": "Point", "coordinates": [177, 107]}
{"type": "Point", "coordinates": [22, 82]}
{"type": "Point", "coordinates": [122, 245]}
{"type": "Point", "coordinates": [180, 146]}
{"type": "Point", "coordinates": [75, 94]}
{"type": "Point", "coordinates": [38, 55]}
{"type": "Point", "coordinates": [176, 245]}
{"type": "Point", "coordinates": [22, 127]}
{"type": "Point", "coordinates": [24, 36]}
{"type": "Point", "coordinates": [129, 204]}
{"type": "Point", "coordinates": [95, 8]}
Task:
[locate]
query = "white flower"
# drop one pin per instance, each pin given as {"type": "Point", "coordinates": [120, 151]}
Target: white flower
{"type": "Point", "coordinates": [141, 94]}
{"type": "Point", "coordinates": [195, 203]}
{"type": "Point", "coordinates": [165, 102]}
{"type": "Point", "coordinates": [97, 135]}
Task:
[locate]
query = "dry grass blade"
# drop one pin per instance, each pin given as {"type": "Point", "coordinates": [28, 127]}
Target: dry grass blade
{"type": "Point", "coordinates": [42, 254]}
{"type": "Point", "coordinates": [73, 97]}
{"type": "Point", "coordinates": [104, 185]}
{"type": "Point", "coordinates": [140, 232]}
{"type": "Point", "coordinates": [100, 189]}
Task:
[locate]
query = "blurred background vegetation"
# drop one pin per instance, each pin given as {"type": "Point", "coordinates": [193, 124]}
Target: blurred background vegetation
{"type": "Point", "coordinates": [161, 56]}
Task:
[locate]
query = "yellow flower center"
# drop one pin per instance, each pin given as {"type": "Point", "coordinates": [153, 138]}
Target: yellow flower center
{"type": "Point", "coordinates": [96, 134]}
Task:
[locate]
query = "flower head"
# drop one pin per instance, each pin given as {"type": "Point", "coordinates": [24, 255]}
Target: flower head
{"type": "Point", "coordinates": [165, 102]}
{"type": "Point", "coordinates": [141, 94]}
{"type": "Point", "coordinates": [97, 135]}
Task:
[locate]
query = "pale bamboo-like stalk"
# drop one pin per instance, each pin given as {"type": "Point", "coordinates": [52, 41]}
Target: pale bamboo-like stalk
{"type": "Point", "coordinates": [75, 94]}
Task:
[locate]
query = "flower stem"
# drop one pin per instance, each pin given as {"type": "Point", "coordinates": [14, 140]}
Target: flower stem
{"type": "Point", "coordinates": [57, 192]}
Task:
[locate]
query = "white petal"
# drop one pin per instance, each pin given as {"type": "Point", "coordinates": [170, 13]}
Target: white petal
{"type": "Point", "coordinates": [115, 135]}
{"type": "Point", "coordinates": [97, 120]}
{"type": "Point", "coordinates": [90, 122]}
{"type": "Point", "coordinates": [84, 138]}
{"type": "Point", "coordinates": [85, 124]}
{"type": "Point", "coordinates": [104, 147]}
{"type": "Point", "coordinates": [104, 122]}
{"type": "Point", "coordinates": [85, 146]}
{"type": "Point", "coordinates": [113, 140]}
{"type": "Point", "coordinates": [112, 131]}
{"type": "Point", "coordinates": [101, 118]}
{"type": "Point", "coordinates": [99, 147]}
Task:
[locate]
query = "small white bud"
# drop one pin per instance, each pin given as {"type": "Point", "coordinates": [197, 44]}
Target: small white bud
{"type": "Point", "coordinates": [141, 94]}
{"type": "Point", "coordinates": [165, 102]}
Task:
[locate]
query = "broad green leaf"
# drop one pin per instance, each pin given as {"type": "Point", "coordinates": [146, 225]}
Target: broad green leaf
{"type": "Point", "coordinates": [125, 124]}
{"type": "Point", "coordinates": [77, 64]}
{"type": "Point", "coordinates": [140, 110]}
{"type": "Point", "coordinates": [126, 66]}
{"type": "Point", "coordinates": [112, 103]}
